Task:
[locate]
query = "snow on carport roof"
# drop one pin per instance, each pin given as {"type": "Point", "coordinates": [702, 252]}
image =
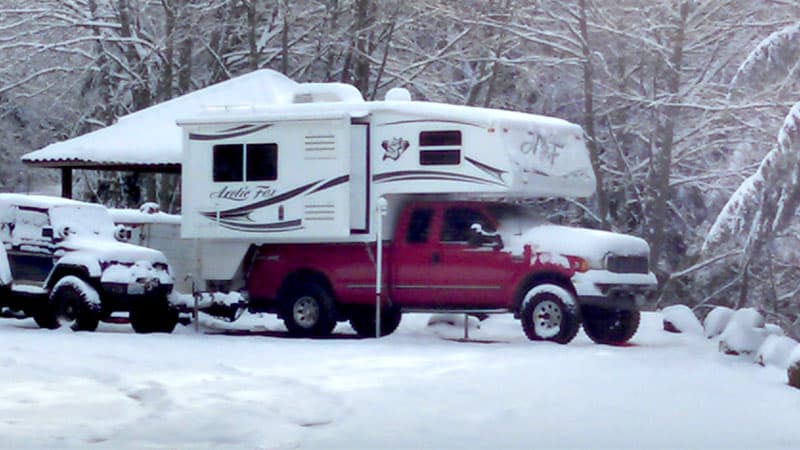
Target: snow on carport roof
{"type": "Point", "coordinates": [150, 139]}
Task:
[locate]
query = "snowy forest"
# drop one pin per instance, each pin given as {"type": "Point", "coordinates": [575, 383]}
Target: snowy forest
{"type": "Point", "coordinates": [690, 108]}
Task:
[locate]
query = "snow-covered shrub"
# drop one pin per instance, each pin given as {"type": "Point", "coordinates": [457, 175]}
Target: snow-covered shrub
{"type": "Point", "coordinates": [794, 368]}
{"type": "Point", "coordinates": [717, 320]}
{"type": "Point", "coordinates": [681, 319]}
{"type": "Point", "coordinates": [744, 334]}
{"type": "Point", "coordinates": [774, 329]}
{"type": "Point", "coordinates": [775, 351]}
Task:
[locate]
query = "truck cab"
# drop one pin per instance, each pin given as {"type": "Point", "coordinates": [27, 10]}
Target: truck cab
{"type": "Point", "coordinates": [471, 257]}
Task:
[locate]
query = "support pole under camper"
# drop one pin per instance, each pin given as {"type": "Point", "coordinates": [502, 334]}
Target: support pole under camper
{"type": "Point", "coordinates": [381, 211]}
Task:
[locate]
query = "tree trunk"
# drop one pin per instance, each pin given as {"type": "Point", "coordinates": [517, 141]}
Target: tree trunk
{"type": "Point", "coordinates": [589, 117]}
{"type": "Point", "coordinates": [662, 163]}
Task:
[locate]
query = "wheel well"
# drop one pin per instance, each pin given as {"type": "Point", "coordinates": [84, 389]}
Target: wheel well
{"type": "Point", "coordinates": [304, 276]}
{"type": "Point", "coordinates": [80, 272]}
{"type": "Point", "coordinates": [536, 279]}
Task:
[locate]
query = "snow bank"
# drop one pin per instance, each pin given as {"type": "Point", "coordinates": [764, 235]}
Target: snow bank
{"type": "Point", "coordinates": [744, 334]}
{"type": "Point", "coordinates": [717, 320]}
{"type": "Point", "coordinates": [775, 351]}
{"type": "Point", "coordinates": [681, 319]}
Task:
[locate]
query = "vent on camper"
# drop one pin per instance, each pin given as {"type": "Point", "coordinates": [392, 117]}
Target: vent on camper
{"type": "Point", "coordinates": [320, 146]}
{"type": "Point", "coordinates": [320, 212]}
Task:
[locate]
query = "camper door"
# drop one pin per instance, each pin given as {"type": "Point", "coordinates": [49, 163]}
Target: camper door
{"type": "Point", "coordinates": [269, 181]}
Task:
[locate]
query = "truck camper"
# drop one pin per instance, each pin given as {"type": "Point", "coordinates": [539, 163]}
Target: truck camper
{"type": "Point", "coordinates": [288, 200]}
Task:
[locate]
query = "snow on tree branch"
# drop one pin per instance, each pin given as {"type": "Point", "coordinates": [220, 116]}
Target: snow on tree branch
{"type": "Point", "coordinates": [771, 59]}
{"type": "Point", "coordinates": [768, 199]}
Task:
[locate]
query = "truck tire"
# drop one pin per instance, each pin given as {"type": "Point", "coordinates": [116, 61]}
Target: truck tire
{"type": "Point", "coordinates": [550, 313]}
{"type": "Point", "coordinates": [309, 311]}
{"type": "Point", "coordinates": [610, 326]}
{"type": "Point", "coordinates": [153, 315]}
{"type": "Point", "coordinates": [362, 319]}
{"type": "Point", "coordinates": [71, 300]}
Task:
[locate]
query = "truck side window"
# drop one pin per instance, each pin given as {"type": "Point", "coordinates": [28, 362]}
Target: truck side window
{"type": "Point", "coordinates": [457, 223]}
{"type": "Point", "coordinates": [418, 226]}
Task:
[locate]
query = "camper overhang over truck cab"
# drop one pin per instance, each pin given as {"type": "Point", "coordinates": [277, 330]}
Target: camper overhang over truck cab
{"type": "Point", "coordinates": [283, 201]}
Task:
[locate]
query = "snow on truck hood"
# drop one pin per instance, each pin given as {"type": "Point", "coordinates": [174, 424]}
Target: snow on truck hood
{"type": "Point", "coordinates": [592, 245]}
{"type": "Point", "coordinates": [108, 250]}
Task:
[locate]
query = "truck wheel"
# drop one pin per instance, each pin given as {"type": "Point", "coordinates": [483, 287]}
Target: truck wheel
{"type": "Point", "coordinates": [550, 313]}
{"type": "Point", "coordinates": [309, 311]}
{"type": "Point", "coordinates": [72, 300]}
{"type": "Point", "coordinates": [153, 315]}
{"type": "Point", "coordinates": [45, 316]}
{"type": "Point", "coordinates": [362, 319]}
{"type": "Point", "coordinates": [610, 326]}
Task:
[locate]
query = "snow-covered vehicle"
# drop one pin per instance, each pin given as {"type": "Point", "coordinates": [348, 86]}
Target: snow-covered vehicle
{"type": "Point", "coordinates": [66, 263]}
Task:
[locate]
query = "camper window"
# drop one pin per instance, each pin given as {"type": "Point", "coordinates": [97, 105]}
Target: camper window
{"type": "Point", "coordinates": [431, 152]}
{"type": "Point", "coordinates": [253, 162]}
{"type": "Point", "coordinates": [440, 138]}
{"type": "Point", "coordinates": [440, 157]}
{"type": "Point", "coordinates": [262, 162]}
{"type": "Point", "coordinates": [228, 163]}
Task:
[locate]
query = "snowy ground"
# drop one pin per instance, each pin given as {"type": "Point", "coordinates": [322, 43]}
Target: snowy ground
{"type": "Point", "coordinates": [412, 390]}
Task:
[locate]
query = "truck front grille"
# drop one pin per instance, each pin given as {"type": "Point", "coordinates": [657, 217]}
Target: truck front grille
{"type": "Point", "coordinates": [627, 264]}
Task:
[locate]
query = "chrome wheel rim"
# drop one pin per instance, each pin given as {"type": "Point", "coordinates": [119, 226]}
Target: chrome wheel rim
{"type": "Point", "coordinates": [306, 311]}
{"type": "Point", "coordinates": [547, 316]}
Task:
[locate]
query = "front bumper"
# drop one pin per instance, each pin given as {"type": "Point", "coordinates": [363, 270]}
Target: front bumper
{"type": "Point", "coordinates": [615, 290]}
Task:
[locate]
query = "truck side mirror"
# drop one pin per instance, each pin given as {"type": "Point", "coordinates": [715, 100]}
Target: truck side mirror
{"type": "Point", "coordinates": [478, 237]}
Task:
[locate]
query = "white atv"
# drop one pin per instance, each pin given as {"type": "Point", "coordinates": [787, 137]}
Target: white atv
{"type": "Point", "coordinates": [65, 263]}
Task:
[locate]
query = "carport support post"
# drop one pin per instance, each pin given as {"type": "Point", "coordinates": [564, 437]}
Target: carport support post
{"type": "Point", "coordinates": [381, 211]}
{"type": "Point", "coordinates": [66, 182]}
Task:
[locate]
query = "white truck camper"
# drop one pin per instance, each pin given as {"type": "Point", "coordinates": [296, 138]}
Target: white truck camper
{"type": "Point", "coordinates": [311, 168]}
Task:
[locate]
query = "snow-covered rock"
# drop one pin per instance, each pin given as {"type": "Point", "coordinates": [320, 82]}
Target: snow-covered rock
{"type": "Point", "coordinates": [717, 320]}
{"type": "Point", "coordinates": [775, 351]}
{"type": "Point", "coordinates": [681, 319]}
{"type": "Point", "coordinates": [744, 334]}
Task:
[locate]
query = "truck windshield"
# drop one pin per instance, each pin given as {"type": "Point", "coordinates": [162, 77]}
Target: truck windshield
{"type": "Point", "coordinates": [83, 220]}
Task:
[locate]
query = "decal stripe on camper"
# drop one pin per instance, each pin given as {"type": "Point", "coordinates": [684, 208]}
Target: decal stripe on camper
{"type": "Point", "coordinates": [227, 134]}
{"type": "Point", "coordinates": [493, 171]}
{"type": "Point", "coordinates": [421, 175]}
{"type": "Point", "coordinates": [274, 227]}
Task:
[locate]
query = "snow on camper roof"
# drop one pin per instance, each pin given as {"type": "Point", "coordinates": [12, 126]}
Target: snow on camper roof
{"type": "Point", "coordinates": [150, 137]}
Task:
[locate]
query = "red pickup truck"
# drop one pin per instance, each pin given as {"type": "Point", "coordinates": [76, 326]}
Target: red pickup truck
{"type": "Point", "coordinates": [470, 257]}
